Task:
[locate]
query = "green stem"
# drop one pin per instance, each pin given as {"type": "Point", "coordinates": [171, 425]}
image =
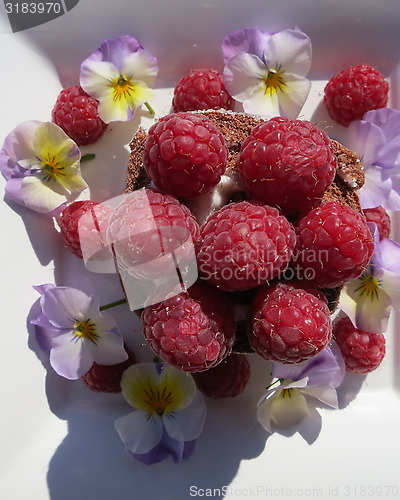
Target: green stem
{"type": "Point", "coordinates": [149, 108]}
{"type": "Point", "coordinates": [113, 304]}
{"type": "Point", "coordinates": [88, 157]}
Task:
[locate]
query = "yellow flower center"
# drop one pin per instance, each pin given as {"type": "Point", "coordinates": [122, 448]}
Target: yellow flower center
{"type": "Point", "coordinates": [157, 399]}
{"type": "Point", "coordinates": [52, 168]}
{"type": "Point", "coordinates": [369, 286]}
{"type": "Point", "coordinates": [122, 87]}
{"type": "Point", "coordinates": [273, 81]}
{"type": "Point", "coordinates": [86, 330]}
{"type": "Point", "coordinates": [287, 393]}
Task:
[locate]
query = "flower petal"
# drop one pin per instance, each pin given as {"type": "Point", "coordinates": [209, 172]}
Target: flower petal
{"type": "Point", "coordinates": [115, 50]}
{"type": "Point", "coordinates": [366, 139]}
{"type": "Point", "coordinates": [68, 355]}
{"type": "Point", "coordinates": [325, 394]}
{"type": "Point", "coordinates": [368, 313]}
{"type": "Point", "coordinates": [376, 190]}
{"type": "Point", "coordinates": [139, 431]}
{"type": "Point", "coordinates": [136, 380]}
{"type": "Point", "coordinates": [243, 74]}
{"type": "Point", "coordinates": [183, 385]}
{"type": "Point", "coordinates": [294, 95]}
{"type": "Point", "coordinates": [186, 424]}
{"type": "Point", "coordinates": [108, 349]}
{"type": "Point", "coordinates": [63, 306]}
{"type": "Point", "coordinates": [323, 369]}
{"type": "Point", "coordinates": [251, 40]}
{"type": "Point", "coordinates": [391, 285]}
{"type": "Point", "coordinates": [167, 447]}
{"type": "Point", "coordinates": [291, 50]}
{"type": "Point", "coordinates": [38, 195]}
{"type": "Point", "coordinates": [387, 119]}
{"type": "Point", "coordinates": [18, 145]}
{"type": "Point", "coordinates": [96, 77]}
{"type": "Point", "coordinates": [283, 411]}
{"type": "Point", "coordinates": [140, 66]}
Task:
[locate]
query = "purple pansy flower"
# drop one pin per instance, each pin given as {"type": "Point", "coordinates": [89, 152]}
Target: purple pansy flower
{"type": "Point", "coordinates": [267, 71]}
{"type": "Point", "coordinates": [74, 333]}
{"type": "Point", "coordinates": [287, 404]}
{"type": "Point", "coordinates": [369, 299]}
{"type": "Point", "coordinates": [119, 74]}
{"type": "Point", "coordinates": [169, 413]}
{"type": "Point", "coordinates": [41, 166]}
{"type": "Point", "coordinates": [376, 139]}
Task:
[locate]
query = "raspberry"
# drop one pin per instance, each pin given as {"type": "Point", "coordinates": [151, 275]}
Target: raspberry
{"type": "Point", "coordinates": [107, 378]}
{"type": "Point", "coordinates": [192, 331]}
{"type": "Point", "coordinates": [147, 228]}
{"type": "Point", "coordinates": [201, 89]}
{"type": "Point", "coordinates": [354, 91]}
{"type": "Point", "coordinates": [84, 224]}
{"type": "Point", "coordinates": [185, 154]}
{"type": "Point", "coordinates": [227, 380]}
{"type": "Point", "coordinates": [334, 245]}
{"type": "Point", "coordinates": [75, 112]}
{"type": "Point", "coordinates": [362, 351]}
{"type": "Point", "coordinates": [243, 245]}
{"type": "Point", "coordinates": [381, 219]}
{"type": "Point", "coordinates": [290, 323]}
{"type": "Point", "coordinates": [287, 163]}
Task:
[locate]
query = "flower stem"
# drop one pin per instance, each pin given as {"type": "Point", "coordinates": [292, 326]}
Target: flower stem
{"type": "Point", "coordinates": [149, 108]}
{"type": "Point", "coordinates": [88, 157]}
{"type": "Point", "coordinates": [113, 304]}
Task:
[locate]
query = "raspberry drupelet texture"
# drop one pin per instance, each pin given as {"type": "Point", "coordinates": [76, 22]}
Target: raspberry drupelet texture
{"type": "Point", "coordinates": [334, 245]}
{"type": "Point", "coordinates": [185, 154]}
{"type": "Point", "coordinates": [192, 331]}
{"type": "Point", "coordinates": [201, 89]}
{"type": "Point", "coordinates": [381, 219]}
{"type": "Point", "coordinates": [354, 91]}
{"type": "Point", "coordinates": [362, 351]}
{"type": "Point", "coordinates": [244, 245]}
{"type": "Point", "coordinates": [83, 224]}
{"type": "Point", "coordinates": [76, 112]}
{"type": "Point", "coordinates": [146, 228]}
{"type": "Point", "coordinates": [226, 380]}
{"type": "Point", "coordinates": [287, 163]}
{"type": "Point", "coordinates": [107, 378]}
{"type": "Point", "coordinates": [290, 323]}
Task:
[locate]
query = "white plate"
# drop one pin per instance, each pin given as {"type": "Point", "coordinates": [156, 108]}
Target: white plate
{"type": "Point", "coordinates": [58, 440]}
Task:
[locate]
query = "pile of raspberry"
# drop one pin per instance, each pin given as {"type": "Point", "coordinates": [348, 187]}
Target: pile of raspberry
{"type": "Point", "coordinates": [274, 252]}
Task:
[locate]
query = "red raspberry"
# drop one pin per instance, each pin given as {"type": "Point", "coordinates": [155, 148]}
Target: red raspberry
{"type": "Point", "coordinates": [192, 331]}
{"type": "Point", "coordinates": [362, 351]}
{"type": "Point", "coordinates": [381, 219]}
{"type": "Point", "coordinates": [75, 112]}
{"type": "Point", "coordinates": [290, 323]}
{"type": "Point", "coordinates": [354, 91]}
{"type": "Point", "coordinates": [146, 228]}
{"type": "Point", "coordinates": [227, 380]}
{"type": "Point", "coordinates": [107, 378]}
{"type": "Point", "coordinates": [334, 245]}
{"type": "Point", "coordinates": [243, 245]}
{"type": "Point", "coordinates": [201, 89]}
{"type": "Point", "coordinates": [287, 163]}
{"type": "Point", "coordinates": [84, 224]}
{"type": "Point", "coordinates": [185, 154]}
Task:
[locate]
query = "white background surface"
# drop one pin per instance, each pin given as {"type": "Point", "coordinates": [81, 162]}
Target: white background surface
{"type": "Point", "coordinates": [57, 439]}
